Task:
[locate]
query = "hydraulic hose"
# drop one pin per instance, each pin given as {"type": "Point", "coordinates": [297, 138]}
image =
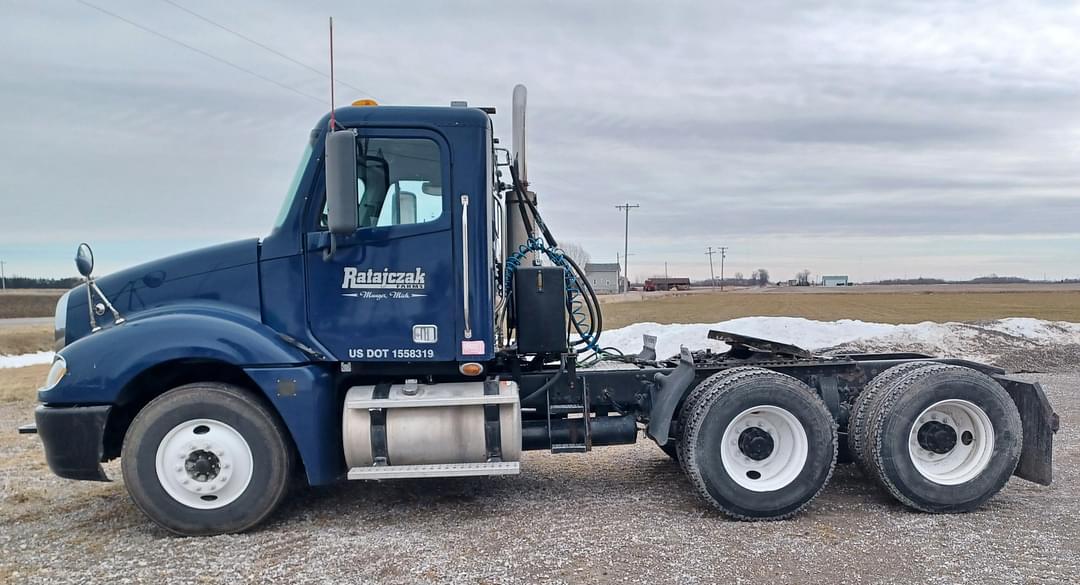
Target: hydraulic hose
{"type": "Point", "coordinates": [588, 325]}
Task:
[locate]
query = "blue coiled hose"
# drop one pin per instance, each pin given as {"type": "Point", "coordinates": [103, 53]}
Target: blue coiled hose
{"type": "Point", "coordinates": [576, 305]}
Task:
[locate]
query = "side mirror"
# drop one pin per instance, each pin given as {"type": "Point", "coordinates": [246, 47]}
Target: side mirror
{"type": "Point", "coordinates": [84, 259]}
{"type": "Point", "coordinates": [341, 186]}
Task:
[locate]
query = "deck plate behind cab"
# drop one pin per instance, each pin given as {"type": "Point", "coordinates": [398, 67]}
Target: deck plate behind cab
{"type": "Point", "coordinates": [759, 345]}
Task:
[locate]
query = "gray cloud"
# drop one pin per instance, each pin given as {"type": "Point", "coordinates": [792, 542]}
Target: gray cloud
{"type": "Point", "coordinates": [791, 131]}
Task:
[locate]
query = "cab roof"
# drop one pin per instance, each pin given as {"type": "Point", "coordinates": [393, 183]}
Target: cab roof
{"type": "Point", "coordinates": [407, 116]}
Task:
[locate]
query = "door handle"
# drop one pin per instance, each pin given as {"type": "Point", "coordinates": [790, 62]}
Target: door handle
{"type": "Point", "coordinates": [465, 263]}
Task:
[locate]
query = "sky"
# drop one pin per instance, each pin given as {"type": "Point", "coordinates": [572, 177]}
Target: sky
{"type": "Point", "coordinates": [877, 140]}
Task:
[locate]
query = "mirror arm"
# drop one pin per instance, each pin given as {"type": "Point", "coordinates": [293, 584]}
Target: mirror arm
{"type": "Point", "coordinates": [90, 305]}
{"type": "Point", "coordinates": [117, 319]}
{"type": "Point", "coordinates": [328, 253]}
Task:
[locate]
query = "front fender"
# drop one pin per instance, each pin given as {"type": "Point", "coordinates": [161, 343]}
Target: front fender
{"type": "Point", "coordinates": [101, 364]}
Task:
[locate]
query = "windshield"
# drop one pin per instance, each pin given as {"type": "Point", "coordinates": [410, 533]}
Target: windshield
{"type": "Point", "coordinates": [294, 184]}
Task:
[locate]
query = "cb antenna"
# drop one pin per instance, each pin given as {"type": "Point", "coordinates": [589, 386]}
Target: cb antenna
{"type": "Point", "coordinates": [332, 122]}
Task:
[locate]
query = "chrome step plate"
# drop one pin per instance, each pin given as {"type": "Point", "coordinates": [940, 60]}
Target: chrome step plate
{"type": "Point", "coordinates": [440, 470]}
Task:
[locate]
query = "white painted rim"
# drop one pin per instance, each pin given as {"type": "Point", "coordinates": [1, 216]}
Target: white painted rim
{"type": "Point", "coordinates": [234, 460]}
{"type": "Point", "coordinates": [965, 461]}
{"type": "Point", "coordinates": [782, 466]}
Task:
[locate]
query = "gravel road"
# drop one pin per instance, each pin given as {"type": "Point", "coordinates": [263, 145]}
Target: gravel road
{"type": "Point", "coordinates": [618, 515]}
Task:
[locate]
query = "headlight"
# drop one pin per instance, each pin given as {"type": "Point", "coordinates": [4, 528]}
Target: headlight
{"type": "Point", "coordinates": [60, 322]}
{"type": "Point", "coordinates": [56, 373]}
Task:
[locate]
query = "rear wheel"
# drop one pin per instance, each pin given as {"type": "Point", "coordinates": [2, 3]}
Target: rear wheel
{"type": "Point", "coordinates": [864, 404]}
{"type": "Point", "coordinates": [945, 439]}
{"type": "Point", "coordinates": [759, 445]}
{"type": "Point", "coordinates": [206, 459]}
{"type": "Point", "coordinates": [694, 396]}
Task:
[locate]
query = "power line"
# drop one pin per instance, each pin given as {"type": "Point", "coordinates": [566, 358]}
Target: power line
{"type": "Point", "coordinates": [263, 46]}
{"type": "Point", "coordinates": [626, 241]}
{"type": "Point", "coordinates": [723, 254]}
{"type": "Point", "coordinates": [201, 52]}
{"type": "Point", "coordinates": [712, 275]}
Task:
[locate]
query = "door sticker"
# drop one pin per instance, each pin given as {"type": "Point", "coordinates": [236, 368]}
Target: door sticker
{"type": "Point", "coordinates": [384, 284]}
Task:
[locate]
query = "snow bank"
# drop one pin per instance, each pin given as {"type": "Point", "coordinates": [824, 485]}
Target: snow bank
{"type": "Point", "coordinates": [984, 341]}
{"type": "Point", "coordinates": [26, 359]}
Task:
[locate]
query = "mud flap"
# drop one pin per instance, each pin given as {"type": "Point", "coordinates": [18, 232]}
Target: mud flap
{"type": "Point", "coordinates": [1039, 422]}
{"type": "Point", "coordinates": [666, 397]}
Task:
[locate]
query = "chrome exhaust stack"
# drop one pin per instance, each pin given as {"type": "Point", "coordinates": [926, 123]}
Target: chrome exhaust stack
{"type": "Point", "coordinates": [517, 235]}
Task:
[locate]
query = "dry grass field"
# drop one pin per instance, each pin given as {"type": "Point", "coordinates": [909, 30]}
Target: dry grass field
{"type": "Point", "coordinates": [20, 384]}
{"type": "Point", "coordinates": [18, 339]}
{"type": "Point", "coordinates": [28, 303]}
{"type": "Point", "coordinates": [899, 307]}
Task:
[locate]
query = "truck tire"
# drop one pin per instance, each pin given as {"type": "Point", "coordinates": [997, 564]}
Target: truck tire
{"type": "Point", "coordinates": [861, 408]}
{"type": "Point", "coordinates": [206, 459]}
{"type": "Point", "coordinates": [759, 445]}
{"type": "Point", "coordinates": [945, 439]}
{"type": "Point", "coordinates": [694, 396]}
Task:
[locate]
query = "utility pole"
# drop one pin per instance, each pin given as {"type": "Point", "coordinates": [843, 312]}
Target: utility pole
{"type": "Point", "coordinates": [3, 280]}
{"type": "Point", "coordinates": [666, 274]}
{"type": "Point", "coordinates": [626, 240]}
{"type": "Point", "coordinates": [712, 275]}
{"type": "Point", "coordinates": [723, 254]}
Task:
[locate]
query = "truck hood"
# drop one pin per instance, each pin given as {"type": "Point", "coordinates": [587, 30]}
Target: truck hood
{"type": "Point", "coordinates": [222, 274]}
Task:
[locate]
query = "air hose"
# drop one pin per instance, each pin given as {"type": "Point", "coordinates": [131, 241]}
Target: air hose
{"type": "Point", "coordinates": [582, 305]}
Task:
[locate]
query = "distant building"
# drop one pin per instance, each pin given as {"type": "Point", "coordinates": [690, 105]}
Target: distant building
{"type": "Point", "coordinates": [674, 283]}
{"type": "Point", "coordinates": [841, 280]}
{"type": "Point", "coordinates": [603, 277]}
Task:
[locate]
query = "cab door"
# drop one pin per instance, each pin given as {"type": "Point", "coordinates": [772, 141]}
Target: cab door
{"type": "Point", "coordinates": [387, 292]}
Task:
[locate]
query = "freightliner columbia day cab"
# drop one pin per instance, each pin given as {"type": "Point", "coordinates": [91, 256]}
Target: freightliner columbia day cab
{"type": "Point", "coordinates": [397, 322]}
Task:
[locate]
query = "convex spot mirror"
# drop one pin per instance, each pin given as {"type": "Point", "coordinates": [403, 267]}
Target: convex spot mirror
{"type": "Point", "coordinates": [84, 259]}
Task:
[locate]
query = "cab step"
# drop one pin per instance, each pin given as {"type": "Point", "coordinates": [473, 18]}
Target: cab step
{"type": "Point", "coordinates": [567, 409]}
{"type": "Point", "coordinates": [569, 448]}
{"type": "Point", "coordinates": [439, 470]}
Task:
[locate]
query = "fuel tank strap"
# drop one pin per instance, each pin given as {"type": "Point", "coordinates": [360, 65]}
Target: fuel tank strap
{"type": "Point", "coordinates": [379, 452]}
{"type": "Point", "coordinates": [492, 427]}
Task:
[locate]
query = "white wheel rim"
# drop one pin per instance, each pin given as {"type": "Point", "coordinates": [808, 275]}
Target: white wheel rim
{"type": "Point", "coordinates": [974, 443]}
{"type": "Point", "coordinates": [204, 464]}
{"type": "Point", "coordinates": [782, 464]}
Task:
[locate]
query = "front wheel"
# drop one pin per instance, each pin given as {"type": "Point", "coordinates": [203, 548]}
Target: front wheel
{"type": "Point", "coordinates": [206, 459]}
{"type": "Point", "coordinates": [759, 445]}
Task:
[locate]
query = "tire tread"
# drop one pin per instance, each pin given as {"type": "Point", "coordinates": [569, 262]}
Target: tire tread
{"type": "Point", "coordinates": [700, 409]}
{"type": "Point", "coordinates": [889, 399]}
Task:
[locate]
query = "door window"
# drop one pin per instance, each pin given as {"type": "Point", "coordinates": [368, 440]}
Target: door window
{"type": "Point", "coordinates": [399, 181]}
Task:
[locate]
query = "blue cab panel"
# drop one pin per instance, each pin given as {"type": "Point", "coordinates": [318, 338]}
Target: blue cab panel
{"type": "Point", "coordinates": [413, 285]}
{"type": "Point", "coordinates": [394, 291]}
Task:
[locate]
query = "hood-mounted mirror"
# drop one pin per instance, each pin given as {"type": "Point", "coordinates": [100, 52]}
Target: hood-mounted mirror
{"type": "Point", "coordinates": [84, 259]}
{"type": "Point", "coordinates": [84, 262]}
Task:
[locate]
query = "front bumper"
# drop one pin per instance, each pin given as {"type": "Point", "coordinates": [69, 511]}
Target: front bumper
{"type": "Point", "coordinates": [73, 438]}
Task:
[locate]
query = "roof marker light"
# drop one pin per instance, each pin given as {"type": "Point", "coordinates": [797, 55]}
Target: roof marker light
{"type": "Point", "coordinates": [365, 102]}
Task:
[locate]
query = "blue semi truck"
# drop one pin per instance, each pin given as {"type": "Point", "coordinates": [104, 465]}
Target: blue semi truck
{"type": "Point", "coordinates": [410, 315]}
